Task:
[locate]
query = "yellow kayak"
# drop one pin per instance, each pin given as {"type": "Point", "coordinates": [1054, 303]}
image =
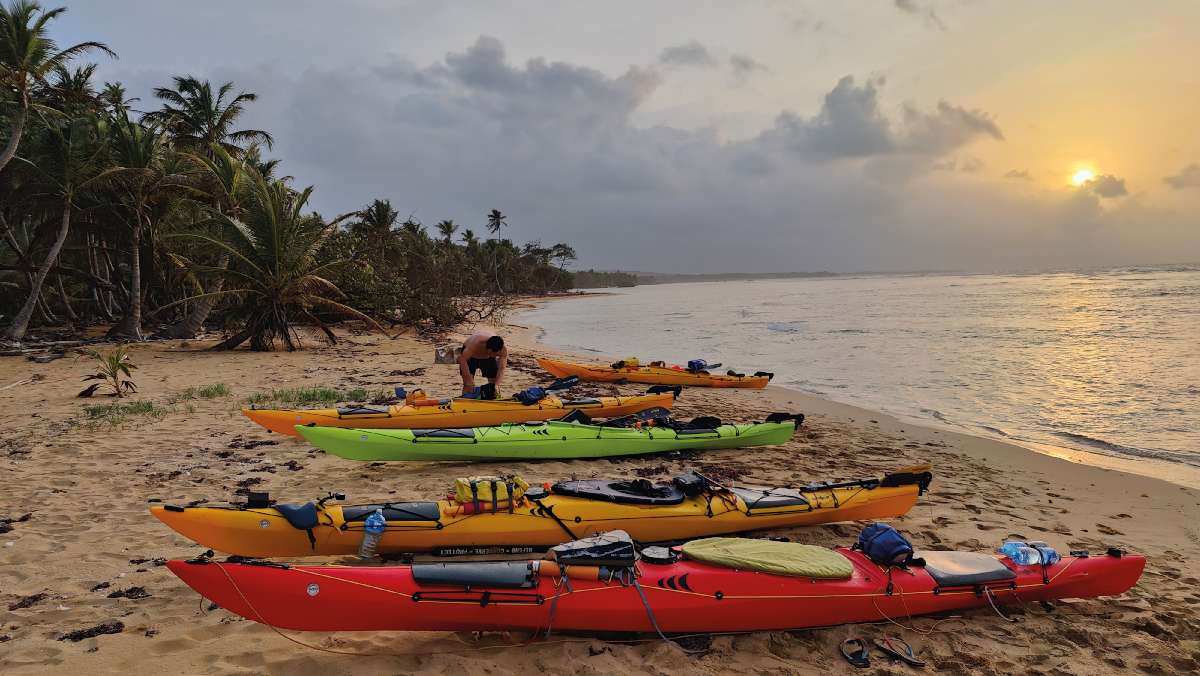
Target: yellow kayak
{"type": "Point", "coordinates": [453, 413]}
{"type": "Point", "coordinates": [653, 375]}
{"type": "Point", "coordinates": [568, 510]}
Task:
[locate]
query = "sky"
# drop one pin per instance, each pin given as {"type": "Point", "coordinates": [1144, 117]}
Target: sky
{"type": "Point", "coordinates": [715, 136]}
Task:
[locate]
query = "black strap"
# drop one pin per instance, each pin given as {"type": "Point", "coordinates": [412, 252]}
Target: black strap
{"type": "Point", "coordinates": [550, 511]}
{"type": "Point", "coordinates": [475, 495]}
{"type": "Point", "coordinates": [511, 497]}
{"type": "Point", "coordinates": [495, 498]}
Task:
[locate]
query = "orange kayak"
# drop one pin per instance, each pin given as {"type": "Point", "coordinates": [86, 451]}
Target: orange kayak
{"type": "Point", "coordinates": [458, 412]}
{"type": "Point", "coordinates": [653, 375]}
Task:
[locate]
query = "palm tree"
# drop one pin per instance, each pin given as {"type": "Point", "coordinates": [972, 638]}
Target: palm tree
{"type": "Point", "coordinates": [375, 223]}
{"type": "Point", "coordinates": [72, 162]}
{"type": "Point", "coordinates": [274, 270]}
{"type": "Point", "coordinates": [27, 55]}
{"type": "Point", "coordinates": [495, 222]}
{"type": "Point", "coordinates": [72, 89]}
{"type": "Point", "coordinates": [113, 96]}
{"type": "Point", "coordinates": [151, 171]}
{"type": "Point", "coordinates": [447, 229]}
{"type": "Point", "coordinates": [199, 119]}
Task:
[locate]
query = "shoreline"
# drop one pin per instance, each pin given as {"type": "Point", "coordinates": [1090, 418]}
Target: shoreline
{"type": "Point", "coordinates": [1175, 473]}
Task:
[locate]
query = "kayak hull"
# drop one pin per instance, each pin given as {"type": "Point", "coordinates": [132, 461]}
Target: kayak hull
{"type": "Point", "coordinates": [456, 413]}
{"type": "Point", "coordinates": [545, 441]}
{"type": "Point", "coordinates": [264, 532]}
{"type": "Point", "coordinates": [651, 375]}
{"type": "Point", "coordinates": [685, 596]}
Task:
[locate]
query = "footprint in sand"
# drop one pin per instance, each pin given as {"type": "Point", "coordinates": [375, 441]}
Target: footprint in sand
{"type": "Point", "coordinates": [1108, 530]}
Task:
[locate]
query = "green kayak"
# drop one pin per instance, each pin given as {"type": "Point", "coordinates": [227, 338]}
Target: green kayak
{"type": "Point", "coordinates": [539, 440]}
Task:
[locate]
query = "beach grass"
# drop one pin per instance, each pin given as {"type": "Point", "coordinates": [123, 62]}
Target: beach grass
{"type": "Point", "coordinates": [308, 396]}
{"type": "Point", "coordinates": [211, 391]}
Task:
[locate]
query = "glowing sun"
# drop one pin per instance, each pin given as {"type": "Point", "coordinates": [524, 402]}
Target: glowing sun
{"type": "Point", "coordinates": [1082, 175]}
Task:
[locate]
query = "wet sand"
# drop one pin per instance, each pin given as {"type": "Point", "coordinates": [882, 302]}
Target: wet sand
{"type": "Point", "coordinates": [89, 554]}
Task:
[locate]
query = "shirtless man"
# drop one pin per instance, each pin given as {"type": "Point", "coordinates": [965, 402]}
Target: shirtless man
{"type": "Point", "coordinates": [485, 352]}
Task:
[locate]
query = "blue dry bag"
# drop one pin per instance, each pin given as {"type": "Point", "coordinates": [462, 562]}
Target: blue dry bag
{"type": "Point", "coordinates": [530, 396]}
{"type": "Point", "coordinates": [885, 545]}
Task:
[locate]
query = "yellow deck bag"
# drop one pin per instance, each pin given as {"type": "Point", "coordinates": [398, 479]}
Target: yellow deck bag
{"type": "Point", "coordinates": [484, 487]}
{"type": "Point", "coordinates": [767, 556]}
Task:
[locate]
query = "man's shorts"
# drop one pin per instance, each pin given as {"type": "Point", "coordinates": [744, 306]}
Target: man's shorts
{"type": "Point", "coordinates": [488, 367]}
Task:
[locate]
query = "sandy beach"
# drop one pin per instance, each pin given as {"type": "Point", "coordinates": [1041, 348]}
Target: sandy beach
{"type": "Point", "coordinates": [78, 549]}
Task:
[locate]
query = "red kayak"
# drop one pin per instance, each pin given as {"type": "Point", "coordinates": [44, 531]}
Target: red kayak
{"type": "Point", "coordinates": [680, 597]}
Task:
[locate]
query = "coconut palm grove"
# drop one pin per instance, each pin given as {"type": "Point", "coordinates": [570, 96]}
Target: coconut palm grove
{"type": "Point", "coordinates": [164, 217]}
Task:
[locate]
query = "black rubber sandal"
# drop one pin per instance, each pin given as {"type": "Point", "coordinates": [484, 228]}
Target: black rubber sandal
{"type": "Point", "coordinates": [899, 649]}
{"type": "Point", "coordinates": [856, 652]}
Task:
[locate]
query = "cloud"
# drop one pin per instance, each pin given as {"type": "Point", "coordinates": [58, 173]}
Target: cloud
{"type": "Point", "coordinates": [688, 54]}
{"type": "Point", "coordinates": [852, 123]}
{"type": "Point", "coordinates": [1106, 185]}
{"type": "Point", "coordinates": [1018, 175]}
{"type": "Point", "coordinates": [1188, 177]}
{"type": "Point", "coordinates": [926, 12]}
{"type": "Point", "coordinates": [744, 66]}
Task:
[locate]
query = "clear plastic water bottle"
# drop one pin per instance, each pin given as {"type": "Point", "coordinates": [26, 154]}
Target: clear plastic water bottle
{"type": "Point", "coordinates": [372, 533]}
{"type": "Point", "coordinates": [1020, 553]}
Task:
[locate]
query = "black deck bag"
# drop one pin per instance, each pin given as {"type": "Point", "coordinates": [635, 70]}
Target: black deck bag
{"type": "Point", "coordinates": [691, 484]}
{"type": "Point", "coordinates": [704, 422]}
{"type": "Point", "coordinates": [612, 549]}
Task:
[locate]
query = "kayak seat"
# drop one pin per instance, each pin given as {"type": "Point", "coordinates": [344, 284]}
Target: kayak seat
{"type": "Point", "coordinates": [590, 401]}
{"type": "Point", "coordinates": [505, 574]}
{"type": "Point", "coordinates": [964, 569]}
{"type": "Point", "coordinates": [395, 511]}
{"type": "Point", "coordinates": [637, 492]}
{"type": "Point", "coordinates": [302, 517]}
{"type": "Point", "coordinates": [362, 410]}
{"type": "Point", "coordinates": [756, 497]}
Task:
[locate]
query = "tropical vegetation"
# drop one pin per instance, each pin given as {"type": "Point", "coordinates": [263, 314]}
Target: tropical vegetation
{"type": "Point", "coordinates": [172, 221]}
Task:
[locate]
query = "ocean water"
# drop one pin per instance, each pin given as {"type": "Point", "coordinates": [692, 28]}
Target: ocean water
{"type": "Point", "coordinates": [1105, 362]}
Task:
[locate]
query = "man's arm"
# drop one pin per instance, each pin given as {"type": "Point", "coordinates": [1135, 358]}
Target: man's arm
{"type": "Point", "coordinates": [501, 366]}
{"type": "Point", "coordinates": [465, 372]}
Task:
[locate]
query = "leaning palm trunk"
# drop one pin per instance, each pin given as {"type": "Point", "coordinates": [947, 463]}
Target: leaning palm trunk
{"type": "Point", "coordinates": [190, 325]}
{"type": "Point", "coordinates": [21, 322]}
{"type": "Point", "coordinates": [14, 138]}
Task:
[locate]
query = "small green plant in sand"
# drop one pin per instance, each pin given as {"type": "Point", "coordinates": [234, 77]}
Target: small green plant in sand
{"type": "Point", "coordinates": [201, 392]}
{"type": "Point", "coordinates": [113, 372]}
{"type": "Point", "coordinates": [117, 412]}
{"type": "Point", "coordinates": [307, 396]}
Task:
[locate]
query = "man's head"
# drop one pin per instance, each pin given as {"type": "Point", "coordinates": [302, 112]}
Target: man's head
{"type": "Point", "coordinates": [495, 344]}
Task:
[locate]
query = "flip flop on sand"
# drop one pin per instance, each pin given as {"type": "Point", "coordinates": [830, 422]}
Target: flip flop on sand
{"type": "Point", "coordinates": [899, 649]}
{"type": "Point", "coordinates": [856, 652]}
